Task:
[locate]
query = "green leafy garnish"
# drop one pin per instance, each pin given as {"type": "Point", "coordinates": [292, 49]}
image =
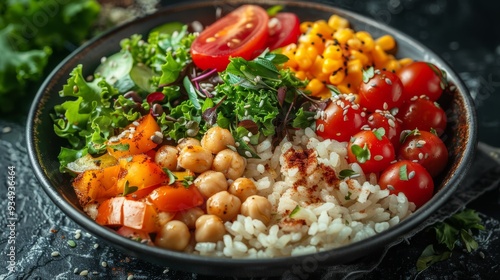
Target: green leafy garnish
{"type": "Point", "coordinates": [187, 181]}
{"type": "Point", "coordinates": [379, 132]}
{"type": "Point", "coordinates": [362, 154]}
{"type": "Point", "coordinates": [171, 176]}
{"type": "Point", "coordinates": [368, 74]}
{"type": "Point", "coordinates": [348, 196]}
{"type": "Point", "coordinates": [403, 173]}
{"type": "Point", "coordinates": [129, 189]}
{"type": "Point", "coordinates": [272, 11]}
{"type": "Point", "coordinates": [294, 211]}
{"type": "Point", "coordinates": [120, 147]}
{"type": "Point", "coordinates": [453, 231]}
{"type": "Point", "coordinates": [346, 173]}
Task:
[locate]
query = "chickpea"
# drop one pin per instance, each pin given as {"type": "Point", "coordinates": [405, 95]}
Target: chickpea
{"type": "Point", "coordinates": [189, 216]}
{"type": "Point", "coordinates": [217, 139]}
{"type": "Point", "coordinates": [209, 228]}
{"type": "Point", "coordinates": [184, 142]}
{"type": "Point", "coordinates": [230, 163]}
{"type": "Point", "coordinates": [211, 182]}
{"type": "Point", "coordinates": [195, 158]}
{"type": "Point", "coordinates": [174, 235]}
{"type": "Point", "coordinates": [166, 157]}
{"type": "Point", "coordinates": [165, 217]}
{"type": "Point", "coordinates": [243, 188]}
{"type": "Point", "coordinates": [224, 205]}
{"type": "Point", "coordinates": [257, 207]}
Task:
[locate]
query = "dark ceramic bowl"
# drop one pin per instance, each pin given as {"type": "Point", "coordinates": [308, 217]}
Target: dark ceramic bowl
{"type": "Point", "coordinates": [44, 145]}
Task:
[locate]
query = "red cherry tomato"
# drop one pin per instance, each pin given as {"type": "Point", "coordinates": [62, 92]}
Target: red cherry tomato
{"type": "Point", "coordinates": [241, 33]}
{"type": "Point", "coordinates": [372, 150]}
{"type": "Point", "coordinates": [284, 29]}
{"type": "Point", "coordinates": [409, 178]}
{"type": "Point", "coordinates": [392, 125]}
{"type": "Point", "coordinates": [422, 78]}
{"type": "Point", "coordinates": [425, 148]}
{"type": "Point", "coordinates": [341, 119]}
{"type": "Point", "coordinates": [423, 114]}
{"type": "Point", "coordinates": [383, 91]}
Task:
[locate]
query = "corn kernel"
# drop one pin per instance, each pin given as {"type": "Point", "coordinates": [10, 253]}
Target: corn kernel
{"type": "Point", "coordinates": [333, 52]}
{"type": "Point", "coordinates": [342, 35]}
{"type": "Point", "coordinates": [330, 65]}
{"type": "Point", "coordinates": [386, 42]}
{"type": "Point", "coordinates": [354, 43]}
{"type": "Point", "coordinates": [305, 26]}
{"type": "Point", "coordinates": [366, 39]}
{"type": "Point", "coordinates": [379, 56]}
{"type": "Point", "coordinates": [315, 86]}
{"type": "Point", "coordinates": [337, 77]}
{"type": "Point", "coordinates": [300, 75]}
{"type": "Point", "coordinates": [365, 60]}
{"type": "Point", "coordinates": [337, 22]}
{"type": "Point", "coordinates": [391, 65]}
{"type": "Point", "coordinates": [322, 29]}
{"type": "Point", "coordinates": [405, 61]}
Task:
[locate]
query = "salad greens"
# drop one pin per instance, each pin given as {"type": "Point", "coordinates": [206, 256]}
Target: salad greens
{"type": "Point", "coordinates": [30, 32]}
{"type": "Point", "coordinates": [250, 98]}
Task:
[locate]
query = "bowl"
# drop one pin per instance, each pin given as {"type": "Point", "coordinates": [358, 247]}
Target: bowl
{"type": "Point", "coordinates": [44, 145]}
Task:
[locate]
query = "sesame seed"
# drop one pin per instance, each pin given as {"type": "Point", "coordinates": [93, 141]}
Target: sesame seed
{"type": "Point", "coordinates": [394, 111]}
{"type": "Point", "coordinates": [75, 271]}
{"type": "Point", "coordinates": [321, 128]}
{"type": "Point", "coordinates": [103, 59]}
{"type": "Point", "coordinates": [346, 118]}
{"type": "Point", "coordinates": [385, 106]}
{"type": "Point", "coordinates": [237, 144]}
{"type": "Point", "coordinates": [159, 134]}
{"type": "Point", "coordinates": [96, 246]}
{"type": "Point", "coordinates": [370, 118]}
{"type": "Point", "coordinates": [209, 40]}
{"type": "Point", "coordinates": [414, 98]}
{"type": "Point", "coordinates": [390, 187]}
{"type": "Point", "coordinates": [6, 129]}
{"type": "Point", "coordinates": [378, 157]}
{"type": "Point", "coordinates": [391, 123]}
{"type": "Point", "coordinates": [248, 154]}
{"type": "Point", "coordinates": [136, 123]}
{"type": "Point", "coordinates": [261, 103]}
{"type": "Point", "coordinates": [104, 264]}
{"type": "Point", "coordinates": [394, 161]}
{"type": "Point", "coordinates": [388, 81]}
{"type": "Point", "coordinates": [55, 254]}
{"type": "Point", "coordinates": [363, 114]}
{"type": "Point", "coordinates": [246, 112]}
{"type": "Point", "coordinates": [411, 175]}
{"type": "Point", "coordinates": [84, 273]}
{"type": "Point", "coordinates": [247, 106]}
{"type": "Point", "coordinates": [420, 155]}
{"type": "Point", "coordinates": [426, 155]}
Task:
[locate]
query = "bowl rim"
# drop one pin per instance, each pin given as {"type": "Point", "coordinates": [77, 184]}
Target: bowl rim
{"type": "Point", "coordinates": [391, 236]}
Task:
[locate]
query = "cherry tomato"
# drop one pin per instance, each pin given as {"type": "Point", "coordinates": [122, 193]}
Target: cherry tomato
{"type": "Point", "coordinates": [383, 91]}
{"type": "Point", "coordinates": [176, 197]}
{"type": "Point", "coordinates": [427, 149]}
{"type": "Point", "coordinates": [393, 126]}
{"type": "Point", "coordinates": [372, 150]}
{"type": "Point", "coordinates": [284, 29]}
{"type": "Point", "coordinates": [423, 114]}
{"type": "Point", "coordinates": [241, 33]}
{"type": "Point", "coordinates": [341, 119]}
{"type": "Point", "coordinates": [410, 178]}
{"type": "Point", "coordinates": [422, 78]}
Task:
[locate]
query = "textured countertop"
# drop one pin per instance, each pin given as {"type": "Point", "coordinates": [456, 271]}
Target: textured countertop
{"type": "Point", "coordinates": [462, 32]}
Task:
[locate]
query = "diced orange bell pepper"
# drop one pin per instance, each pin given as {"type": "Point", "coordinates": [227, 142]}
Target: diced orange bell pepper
{"type": "Point", "coordinates": [140, 171]}
{"type": "Point", "coordinates": [135, 139]}
{"type": "Point", "coordinates": [120, 211]}
{"type": "Point", "coordinates": [176, 197]}
{"type": "Point", "coordinates": [94, 185]}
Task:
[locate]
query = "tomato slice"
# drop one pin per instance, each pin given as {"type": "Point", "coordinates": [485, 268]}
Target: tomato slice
{"type": "Point", "coordinates": [284, 29]}
{"type": "Point", "coordinates": [241, 33]}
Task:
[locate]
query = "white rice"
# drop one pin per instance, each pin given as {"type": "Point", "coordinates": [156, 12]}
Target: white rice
{"type": "Point", "coordinates": [332, 213]}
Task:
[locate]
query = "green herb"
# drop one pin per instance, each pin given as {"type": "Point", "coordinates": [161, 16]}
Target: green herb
{"type": "Point", "coordinates": [348, 196]}
{"type": "Point", "coordinates": [368, 74]}
{"type": "Point", "coordinates": [362, 154]}
{"type": "Point", "coordinates": [192, 93]}
{"type": "Point", "coordinates": [187, 181]}
{"type": "Point", "coordinates": [379, 132]}
{"type": "Point", "coordinates": [129, 189]}
{"type": "Point", "coordinates": [403, 173]}
{"type": "Point", "coordinates": [120, 147]}
{"type": "Point", "coordinates": [453, 231]}
{"type": "Point", "coordinates": [171, 176]}
{"type": "Point", "coordinates": [294, 211]}
{"type": "Point", "coordinates": [346, 173]}
{"type": "Point", "coordinates": [272, 11]}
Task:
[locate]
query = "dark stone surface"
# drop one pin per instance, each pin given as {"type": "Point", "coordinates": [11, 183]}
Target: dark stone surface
{"type": "Point", "coordinates": [463, 32]}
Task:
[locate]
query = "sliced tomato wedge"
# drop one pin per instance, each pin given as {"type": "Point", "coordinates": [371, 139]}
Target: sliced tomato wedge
{"type": "Point", "coordinates": [241, 33]}
{"type": "Point", "coordinates": [284, 29]}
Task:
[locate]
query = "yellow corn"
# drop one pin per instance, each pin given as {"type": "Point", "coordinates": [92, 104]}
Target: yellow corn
{"type": "Point", "coordinates": [366, 39]}
{"type": "Point", "coordinates": [386, 42]}
{"type": "Point", "coordinates": [329, 52]}
{"type": "Point", "coordinates": [315, 86]}
{"type": "Point", "coordinates": [337, 22]}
